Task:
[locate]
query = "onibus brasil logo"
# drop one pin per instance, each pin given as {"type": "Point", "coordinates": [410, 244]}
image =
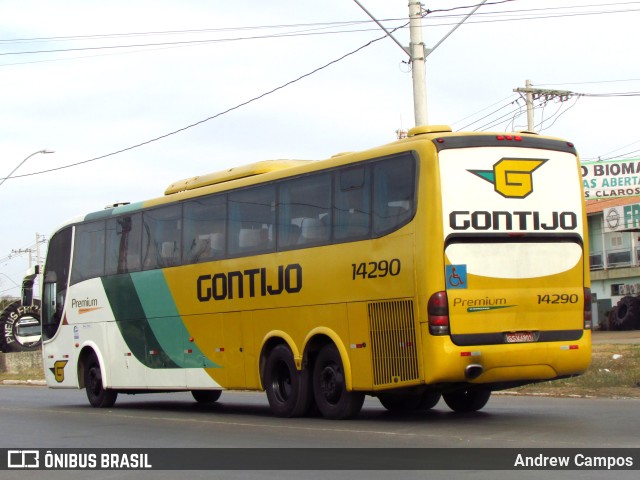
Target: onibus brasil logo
{"type": "Point", "coordinates": [511, 177]}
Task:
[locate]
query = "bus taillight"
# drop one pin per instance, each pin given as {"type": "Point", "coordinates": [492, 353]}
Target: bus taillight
{"type": "Point", "coordinates": [438, 311]}
{"type": "Point", "coordinates": [587, 309]}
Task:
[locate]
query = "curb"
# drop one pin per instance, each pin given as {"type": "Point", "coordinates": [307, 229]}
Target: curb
{"type": "Point", "coordinates": [37, 383]}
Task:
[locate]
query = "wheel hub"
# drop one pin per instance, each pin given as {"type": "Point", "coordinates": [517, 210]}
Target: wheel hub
{"type": "Point", "coordinates": [331, 384]}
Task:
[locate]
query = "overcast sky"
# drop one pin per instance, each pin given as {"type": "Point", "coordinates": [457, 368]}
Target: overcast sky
{"type": "Point", "coordinates": [90, 78]}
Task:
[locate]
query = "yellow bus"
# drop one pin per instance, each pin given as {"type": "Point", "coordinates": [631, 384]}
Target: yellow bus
{"type": "Point", "coordinates": [440, 265]}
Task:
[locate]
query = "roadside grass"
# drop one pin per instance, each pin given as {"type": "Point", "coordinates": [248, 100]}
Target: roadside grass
{"type": "Point", "coordinates": [614, 372]}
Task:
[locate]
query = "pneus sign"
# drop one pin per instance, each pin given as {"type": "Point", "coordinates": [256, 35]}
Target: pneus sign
{"type": "Point", "coordinates": [20, 327]}
{"type": "Point", "coordinates": [622, 218]}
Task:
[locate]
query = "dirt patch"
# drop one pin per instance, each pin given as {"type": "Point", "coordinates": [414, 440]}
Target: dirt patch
{"type": "Point", "coordinates": [626, 337]}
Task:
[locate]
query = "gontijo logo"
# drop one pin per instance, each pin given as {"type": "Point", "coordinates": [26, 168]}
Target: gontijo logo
{"type": "Point", "coordinates": [511, 177]}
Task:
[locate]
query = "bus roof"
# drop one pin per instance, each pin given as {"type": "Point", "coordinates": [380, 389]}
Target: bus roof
{"type": "Point", "coordinates": [438, 136]}
{"type": "Point", "coordinates": [234, 173]}
{"type": "Point", "coordinates": [267, 166]}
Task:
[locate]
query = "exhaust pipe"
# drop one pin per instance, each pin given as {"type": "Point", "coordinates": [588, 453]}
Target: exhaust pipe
{"type": "Point", "coordinates": [473, 371]}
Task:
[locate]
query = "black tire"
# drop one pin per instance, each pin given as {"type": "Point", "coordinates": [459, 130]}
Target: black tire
{"type": "Point", "coordinates": [627, 313]}
{"type": "Point", "coordinates": [206, 396]}
{"type": "Point", "coordinates": [409, 402]}
{"type": "Point", "coordinates": [467, 400]}
{"type": "Point", "coordinates": [429, 400]}
{"type": "Point", "coordinates": [329, 387]}
{"type": "Point", "coordinates": [20, 327]}
{"type": "Point", "coordinates": [400, 402]}
{"type": "Point", "coordinates": [288, 390]}
{"type": "Point", "coordinates": [98, 396]}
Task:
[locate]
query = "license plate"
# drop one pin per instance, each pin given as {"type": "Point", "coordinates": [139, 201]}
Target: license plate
{"type": "Point", "coordinates": [520, 337]}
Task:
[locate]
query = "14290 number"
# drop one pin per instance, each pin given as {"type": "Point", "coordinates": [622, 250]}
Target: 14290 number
{"type": "Point", "coordinates": [558, 298]}
{"type": "Point", "coordinates": [378, 269]}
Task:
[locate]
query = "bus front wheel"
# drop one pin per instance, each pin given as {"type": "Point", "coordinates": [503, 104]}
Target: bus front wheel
{"type": "Point", "coordinates": [467, 400]}
{"type": "Point", "coordinates": [330, 389]}
{"type": "Point", "coordinates": [206, 396]}
{"type": "Point", "coordinates": [98, 396]}
{"type": "Point", "coordinates": [288, 390]}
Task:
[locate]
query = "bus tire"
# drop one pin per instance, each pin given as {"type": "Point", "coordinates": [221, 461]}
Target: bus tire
{"type": "Point", "coordinates": [409, 402]}
{"type": "Point", "coordinates": [99, 397]}
{"type": "Point", "coordinates": [206, 396]}
{"type": "Point", "coordinates": [429, 400]}
{"type": "Point", "coordinates": [330, 389]}
{"type": "Point", "coordinates": [400, 402]}
{"type": "Point", "coordinates": [467, 400]}
{"type": "Point", "coordinates": [11, 319]}
{"type": "Point", "coordinates": [288, 390]}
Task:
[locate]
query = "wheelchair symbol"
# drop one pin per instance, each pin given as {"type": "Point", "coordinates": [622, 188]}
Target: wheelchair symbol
{"type": "Point", "coordinates": [456, 276]}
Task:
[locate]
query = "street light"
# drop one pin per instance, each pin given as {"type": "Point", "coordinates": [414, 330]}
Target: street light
{"type": "Point", "coordinates": [20, 164]}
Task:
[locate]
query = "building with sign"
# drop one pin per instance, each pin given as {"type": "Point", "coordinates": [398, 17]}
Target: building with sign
{"type": "Point", "coordinates": [614, 250]}
{"type": "Point", "coordinates": [606, 180]}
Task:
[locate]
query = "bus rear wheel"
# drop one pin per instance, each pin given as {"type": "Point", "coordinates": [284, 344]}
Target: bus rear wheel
{"type": "Point", "coordinates": [330, 389]}
{"type": "Point", "coordinates": [98, 396]}
{"type": "Point", "coordinates": [288, 390]}
{"type": "Point", "coordinates": [409, 402]}
{"type": "Point", "coordinates": [467, 400]}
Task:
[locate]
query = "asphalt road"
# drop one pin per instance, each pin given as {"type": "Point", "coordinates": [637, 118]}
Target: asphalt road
{"type": "Point", "coordinates": [36, 417]}
{"type": "Point", "coordinates": [42, 417]}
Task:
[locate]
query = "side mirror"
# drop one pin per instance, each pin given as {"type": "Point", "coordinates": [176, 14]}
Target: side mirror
{"type": "Point", "coordinates": [27, 285]}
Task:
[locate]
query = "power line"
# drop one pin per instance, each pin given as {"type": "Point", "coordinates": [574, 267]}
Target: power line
{"type": "Point", "coordinates": [599, 157]}
{"type": "Point", "coordinates": [258, 97]}
{"type": "Point", "coordinates": [183, 32]}
{"type": "Point", "coordinates": [178, 43]}
{"type": "Point", "coordinates": [587, 83]}
{"type": "Point", "coordinates": [478, 18]}
{"type": "Point", "coordinates": [482, 110]}
{"type": "Point", "coordinates": [614, 94]}
{"type": "Point", "coordinates": [315, 25]}
{"type": "Point", "coordinates": [467, 7]}
{"type": "Point", "coordinates": [487, 115]}
{"type": "Point", "coordinates": [557, 114]}
{"type": "Point", "coordinates": [279, 87]}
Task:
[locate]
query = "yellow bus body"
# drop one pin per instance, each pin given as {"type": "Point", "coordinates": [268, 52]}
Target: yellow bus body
{"type": "Point", "coordinates": [485, 235]}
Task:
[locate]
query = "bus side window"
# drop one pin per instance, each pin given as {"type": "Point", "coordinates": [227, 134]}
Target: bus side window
{"type": "Point", "coordinates": [124, 236]}
{"type": "Point", "coordinates": [252, 214]}
{"type": "Point", "coordinates": [204, 229]}
{"type": "Point", "coordinates": [304, 210]}
{"type": "Point", "coordinates": [161, 237]}
{"type": "Point", "coordinates": [393, 193]}
{"type": "Point", "coordinates": [352, 212]}
{"type": "Point", "coordinates": [88, 251]}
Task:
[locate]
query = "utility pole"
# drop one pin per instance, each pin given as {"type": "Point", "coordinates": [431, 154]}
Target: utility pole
{"type": "Point", "coordinates": [30, 251]}
{"type": "Point", "coordinates": [532, 94]}
{"type": "Point", "coordinates": [418, 56]}
{"type": "Point", "coordinates": [39, 239]}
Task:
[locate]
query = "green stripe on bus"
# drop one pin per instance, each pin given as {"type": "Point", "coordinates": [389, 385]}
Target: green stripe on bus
{"type": "Point", "coordinates": [165, 320]}
{"type": "Point", "coordinates": [133, 323]}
